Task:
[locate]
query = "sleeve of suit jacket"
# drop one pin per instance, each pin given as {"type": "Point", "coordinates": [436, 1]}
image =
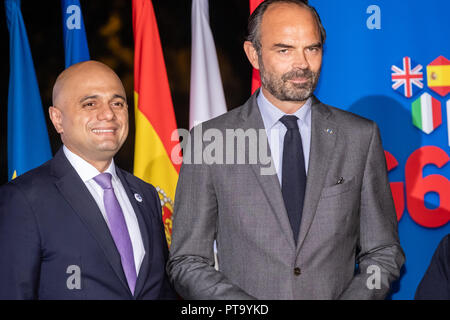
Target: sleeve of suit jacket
{"type": "Point", "coordinates": [380, 256]}
{"type": "Point", "coordinates": [19, 246]}
{"type": "Point", "coordinates": [191, 261]}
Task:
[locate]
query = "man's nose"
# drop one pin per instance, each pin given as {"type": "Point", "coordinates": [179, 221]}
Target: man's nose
{"type": "Point", "coordinates": [300, 61]}
{"type": "Point", "coordinates": [106, 112]}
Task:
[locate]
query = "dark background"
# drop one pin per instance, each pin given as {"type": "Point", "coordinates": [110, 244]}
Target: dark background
{"type": "Point", "coordinates": [110, 39]}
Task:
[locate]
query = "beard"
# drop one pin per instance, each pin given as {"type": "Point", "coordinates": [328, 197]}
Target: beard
{"type": "Point", "coordinates": [283, 90]}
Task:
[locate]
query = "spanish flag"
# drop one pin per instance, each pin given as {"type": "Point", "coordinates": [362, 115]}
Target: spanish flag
{"type": "Point", "coordinates": [438, 73]}
{"type": "Point", "coordinates": [156, 129]}
{"type": "Point", "coordinates": [256, 80]}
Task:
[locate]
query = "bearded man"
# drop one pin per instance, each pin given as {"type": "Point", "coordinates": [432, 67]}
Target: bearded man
{"type": "Point", "coordinates": [323, 225]}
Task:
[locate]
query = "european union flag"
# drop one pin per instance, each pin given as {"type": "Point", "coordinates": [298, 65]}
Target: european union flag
{"type": "Point", "coordinates": [28, 144]}
{"type": "Point", "coordinates": [75, 43]}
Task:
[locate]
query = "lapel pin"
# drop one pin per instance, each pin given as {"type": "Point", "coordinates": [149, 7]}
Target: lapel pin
{"type": "Point", "coordinates": [138, 197]}
{"type": "Point", "coordinates": [330, 131]}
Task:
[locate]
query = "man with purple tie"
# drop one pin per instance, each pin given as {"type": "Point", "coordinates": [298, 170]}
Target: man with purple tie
{"type": "Point", "coordinates": [78, 227]}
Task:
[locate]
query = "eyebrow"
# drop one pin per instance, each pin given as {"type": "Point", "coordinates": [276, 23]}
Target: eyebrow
{"type": "Point", "coordinates": [115, 96]}
{"type": "Point", "coordinates": [287, 46]}
{"type": "Point", "coordinates": [119, 96]}
{"type": "Point", "coordinates": [282, 45]}
{"type": "Point", "coordinates": [88, 97]}
{"type": "Point", "coordinates": [315, 45]}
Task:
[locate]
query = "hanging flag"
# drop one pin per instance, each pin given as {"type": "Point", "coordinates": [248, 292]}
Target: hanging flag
{"type": "Point", "coordinates": [207, 99]}
{"type": "Point", "coordinates": [156, 128]}
{"type": "Point", "coordinates": [426, 113]}
{"type": "Point", "coordinates": [438, 73]}
{"type": "Point", "coordinates": [74, 33]}
{"type": "Point", "coordinates": [28, 143]}
{"type": "Point", "coordinates": [256, 79]}
{"type": "Point", "coordinates": [409, 77]}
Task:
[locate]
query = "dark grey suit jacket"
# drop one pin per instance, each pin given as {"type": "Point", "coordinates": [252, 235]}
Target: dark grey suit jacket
{"type": "Point", "coordinates": [343, 225]}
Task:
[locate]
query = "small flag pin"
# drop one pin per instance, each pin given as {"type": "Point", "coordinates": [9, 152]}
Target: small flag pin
{"type": "Point", "coordinates": [138, 197]}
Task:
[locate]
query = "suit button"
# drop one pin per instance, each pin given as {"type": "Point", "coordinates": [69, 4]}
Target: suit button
{"type": "Point", "coordinates": [297, 271]}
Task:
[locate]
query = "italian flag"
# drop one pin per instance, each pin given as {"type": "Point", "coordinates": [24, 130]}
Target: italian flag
{"type": "Point", "coordinates": [156, 135]}
{"type": "Point", "coordinates": [426, 113]}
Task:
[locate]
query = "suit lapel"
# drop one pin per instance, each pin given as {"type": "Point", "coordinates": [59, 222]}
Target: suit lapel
{"type": "Point", "coordinates": [323, 140]}
{"type": "Point", "coordinates": [73, 189]}
{"type": "Point", "coordinates": [144, 226]}
{"type": "Point", "coordinates": [269, 183]}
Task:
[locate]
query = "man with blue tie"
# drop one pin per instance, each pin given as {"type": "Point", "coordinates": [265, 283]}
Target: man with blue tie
{"type": "Point", "coordinates": [78, 227]}
{"type": "Point", "coordinates": [323, 224]}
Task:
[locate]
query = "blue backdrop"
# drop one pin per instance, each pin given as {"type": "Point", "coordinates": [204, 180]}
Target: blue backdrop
{"type": "Point", "coordinates": [365, 39]}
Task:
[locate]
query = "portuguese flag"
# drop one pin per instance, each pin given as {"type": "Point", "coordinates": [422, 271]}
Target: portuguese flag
{"type": "Point", "coordinates": [156, 135]}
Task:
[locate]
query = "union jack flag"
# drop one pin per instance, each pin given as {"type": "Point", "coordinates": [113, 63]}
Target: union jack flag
{"type": "Point", "coordinates": [408, 77]}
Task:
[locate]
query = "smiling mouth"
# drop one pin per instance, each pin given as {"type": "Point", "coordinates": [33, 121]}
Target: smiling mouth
{"type": "Point", "coordinates": [103, 131]}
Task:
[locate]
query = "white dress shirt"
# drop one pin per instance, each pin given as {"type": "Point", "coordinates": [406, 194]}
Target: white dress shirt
{"type": "Point", "coordinates": [87, 172]}
{"type": "Point", "coordinates": [276, 130]}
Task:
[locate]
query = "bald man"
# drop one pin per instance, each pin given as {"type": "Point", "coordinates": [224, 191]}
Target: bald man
{"type": "Point", "coordinates": [78, 227]}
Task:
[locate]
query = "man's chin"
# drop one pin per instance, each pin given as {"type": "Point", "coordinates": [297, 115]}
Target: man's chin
{"type": "Point", "coordinates": [108, 148]}
{"type": "Point", "coordinates": [295, 97]}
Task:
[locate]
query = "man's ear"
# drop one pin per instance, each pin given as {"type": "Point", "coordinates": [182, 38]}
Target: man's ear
{"type": "Point", "coordinates": [56, 117]}
{"type": "Point", "coordinates": [251, 53]}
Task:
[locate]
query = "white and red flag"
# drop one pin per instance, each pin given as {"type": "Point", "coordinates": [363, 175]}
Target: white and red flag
{"type": "Point", "coordinates": [207, 99]}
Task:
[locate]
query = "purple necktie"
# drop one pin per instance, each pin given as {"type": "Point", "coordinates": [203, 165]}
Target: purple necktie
{"type": "Point", "coordinates": [118, 228]}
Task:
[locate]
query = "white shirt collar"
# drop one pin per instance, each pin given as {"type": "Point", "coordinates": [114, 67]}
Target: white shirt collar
{"type": "Point", "coordinates": [85, 170]}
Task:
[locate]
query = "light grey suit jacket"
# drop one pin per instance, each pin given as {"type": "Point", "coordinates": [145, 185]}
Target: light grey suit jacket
{"type": "Point", "coordinates": [348, 244]}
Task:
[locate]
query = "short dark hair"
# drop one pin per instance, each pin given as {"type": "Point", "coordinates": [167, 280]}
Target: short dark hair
{"type": "Point", "coordinates": [254, 22]}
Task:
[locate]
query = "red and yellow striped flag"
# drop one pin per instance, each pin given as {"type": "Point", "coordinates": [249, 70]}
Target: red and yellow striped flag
{"type": "Point", "coordinates": [439, 76]}
{"type": "Point", "coordinates": [256, 80]}
{"type": "Point", "coordinates": [155, 117]}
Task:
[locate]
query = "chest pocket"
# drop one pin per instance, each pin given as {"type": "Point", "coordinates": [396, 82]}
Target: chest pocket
{"type": "Point", "coordinates": [338, 188]}
{"type": "Point", "coordinates": [338, 209]}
